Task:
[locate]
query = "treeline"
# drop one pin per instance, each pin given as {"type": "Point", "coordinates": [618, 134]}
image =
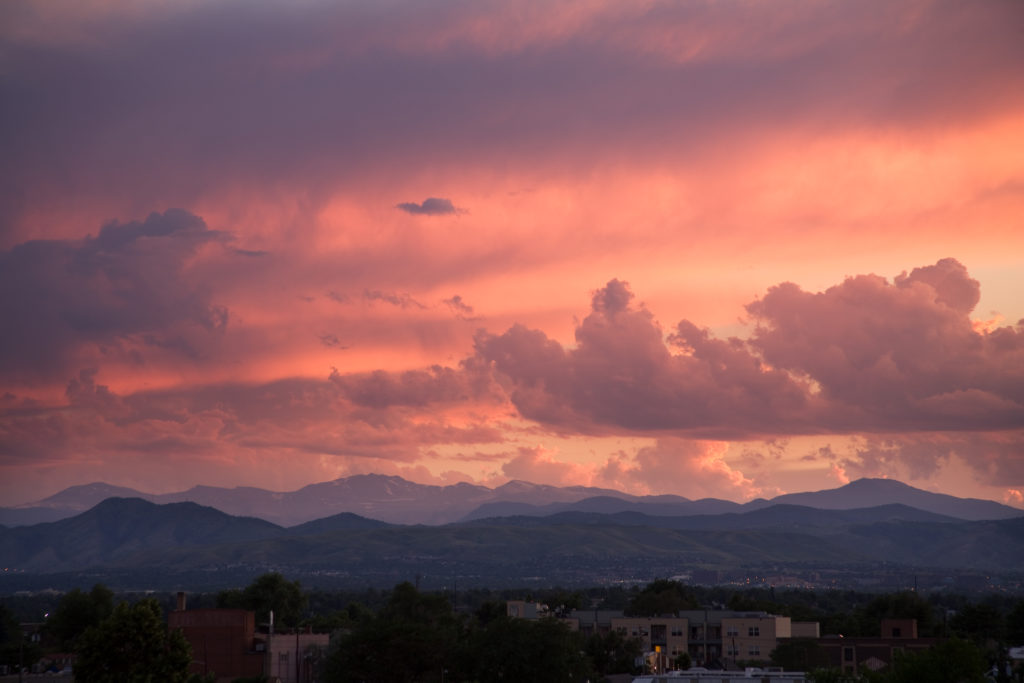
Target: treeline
{"type": "Point", "coordinates": [408, 635]}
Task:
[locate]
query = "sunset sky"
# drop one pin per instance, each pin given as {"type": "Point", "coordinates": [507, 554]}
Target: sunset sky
{"type": "Point", "coordinates": [726, 249]}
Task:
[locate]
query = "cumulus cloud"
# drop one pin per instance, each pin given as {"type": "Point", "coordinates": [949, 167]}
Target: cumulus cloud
{"type": "Point", "coordinates": [123, 292]}
{"type": "Point", "coordinates": [866, 355]}
{"type": "Point", "coordinates": [431, 206]}
{"type": "Point", "coordinates": [622, 374]}
{"type": "Point", "coordinates": [901, 355]}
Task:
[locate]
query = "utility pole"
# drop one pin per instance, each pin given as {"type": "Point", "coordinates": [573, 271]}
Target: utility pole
{"type": "Point", "coordinates": [270, 636]}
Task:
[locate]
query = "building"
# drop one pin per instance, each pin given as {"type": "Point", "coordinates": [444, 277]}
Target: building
{"type": "Point", "coordinates": [663, 636]}
{"type": "Point", "coordinates": [710, 637]}
{"type": "Point", "coordinates": [295, 657]}
{"type": "Point", "coordinates": [853, 655]}
{"type": "Point", "coordinates": [225, 643]}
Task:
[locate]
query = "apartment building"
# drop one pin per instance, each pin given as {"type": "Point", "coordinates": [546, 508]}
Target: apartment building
{"type": "Point", "coordinates": [709, 636]}
{"type": "Point", "coordinates": [657, 634]}
{"type": "Point", "coordinates": [730, 636]}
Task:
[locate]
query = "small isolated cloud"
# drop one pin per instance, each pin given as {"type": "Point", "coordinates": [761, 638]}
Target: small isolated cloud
{"type": "Point", "coordinates": [432, 206]}
{"type": "Point", "coordinates": [462, 310]}
{"type": "Point", "coordinates": [337, 297]}
{"type": "Point", "coordinates": [393, 298]}
{"type": "Point", "coordinates": [332, 341]}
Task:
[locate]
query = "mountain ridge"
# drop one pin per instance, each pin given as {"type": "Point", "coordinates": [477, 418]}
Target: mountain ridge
{"type": "Point", "coordinates": [395, 500]}
{"type": "Point", "coordinates": [175, 539]}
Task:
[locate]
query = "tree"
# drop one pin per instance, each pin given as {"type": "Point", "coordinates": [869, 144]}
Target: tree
{"type": "Point", "coordinates": [953, 661]}
{"type": "Point", "coordinates": [542, 650]}
{"type": "Point", "coordinates": [980, 624]}
{"type": "Point", "coordinates": [133, 644]}
{"type": "Point", "coordinates": [414, 638]}
{"type": "Point", "coordinates": [904, 605]}
{"type": "Point", "coordinates": [662, 596]}
{"type": "Point", "coordinates": [269, 592]}
{"type": "Point", "coordinates": [15, 651]}
{"type": "Point", "coordinates": [614, 652]}
{"type": "Point", "coordinates": [76, 612]}
{"type": "Point", "coordinates": [1015, 624]}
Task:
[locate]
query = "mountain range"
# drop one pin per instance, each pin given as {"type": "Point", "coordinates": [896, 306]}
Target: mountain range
{"type": "Point", "coordinates": [398, 501]}
{"type": "Point", "coordinates": [177, 544]}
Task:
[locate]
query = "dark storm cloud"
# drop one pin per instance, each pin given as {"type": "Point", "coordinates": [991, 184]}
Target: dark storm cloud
{"type": "Point", "coordinates": [114, 293]}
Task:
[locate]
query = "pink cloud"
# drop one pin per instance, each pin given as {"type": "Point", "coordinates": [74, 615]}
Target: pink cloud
{"type": "Point", "coordinates": [539, 465]}
{"type": "Point", "coordinates": [900, 355]}
{"type": "Point", "coordinates": [885, 356]}
{"type": "Point", "coordinates": [592, 140]}
{"type": "Point", "coordinates": [694, 469]}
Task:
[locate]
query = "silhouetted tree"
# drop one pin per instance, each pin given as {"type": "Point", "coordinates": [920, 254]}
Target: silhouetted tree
{"type": "Point", "coordinates": [903, 605]}
{"type": "Point", "coordinates": [15, 651]}
{"type": "Point", "coordinates": [489, 611]}
{"type": "Point", "coordinates": [614, 652]}
{"type": "Point", "coordinates": [268, 592]}
{"type": "Point", "coordinates": [1015, 624]}
{"type": "Point", "coordinates": [661, 596]}
{"type": "Point", "coordinates": [542, 650]}
{"type": "Point", "coordinates": [952, 661]}
{"type": "Point", "coordinates": [133, 644]}
{"type": "Point", "coordinates": [414, 638]}
{"type": "Point", "coordinates": [76, 612]}
{"type": "Point", "coordinates": [980, 623]}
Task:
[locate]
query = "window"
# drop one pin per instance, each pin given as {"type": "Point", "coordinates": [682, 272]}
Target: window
{"type": "Point", "coordinates": [677, 630]}
{"type": "Point", "coordinates": [847, 654]}
{"type": "Point", "coordinates": [754, 631]}
{"type": "Point", "coordinates": [755, 650]}
{"type": "Point", "coordinates": [896, 632]}
{"type": "Point", "coordinates": [732, 631]}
